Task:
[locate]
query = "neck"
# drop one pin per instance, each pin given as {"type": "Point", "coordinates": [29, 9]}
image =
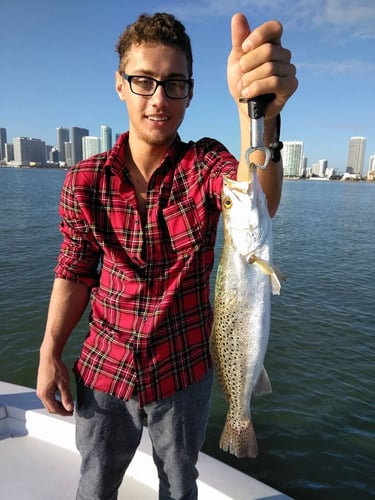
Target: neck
{"type": "Point", "coordinates": [145, 158]}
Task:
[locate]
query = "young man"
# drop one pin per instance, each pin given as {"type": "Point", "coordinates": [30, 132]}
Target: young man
{"type": "Point", "coordinates": [139, 225]}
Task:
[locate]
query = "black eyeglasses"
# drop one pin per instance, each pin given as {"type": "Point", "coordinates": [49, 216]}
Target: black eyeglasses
{"type": "Point", "coordinates": [146, 86]}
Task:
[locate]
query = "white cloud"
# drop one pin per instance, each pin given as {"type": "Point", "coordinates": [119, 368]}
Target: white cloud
{"type": "Point", "coordinates": [352, 18]}
{"type": "Point", "coordinates": [334, 68]}
{"type": "Point", "coordinates": [356, 17]}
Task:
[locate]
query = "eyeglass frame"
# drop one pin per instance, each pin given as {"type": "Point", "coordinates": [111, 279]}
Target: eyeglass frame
{"type": "Point", "coordinates": [159, 83]}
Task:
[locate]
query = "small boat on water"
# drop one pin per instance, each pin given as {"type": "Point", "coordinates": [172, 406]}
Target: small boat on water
{"type": "Point", "coordinates": [39, 460]}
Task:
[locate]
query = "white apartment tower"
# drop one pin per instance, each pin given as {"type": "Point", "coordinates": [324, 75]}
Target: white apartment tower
{"type": "Point", "coordinates": [356, 155]}
{"type": "Point", "coordinates": [106, 136]}
{"type": "Point", "coordinates": [371, 166]}
{"type": "Point", "coordinates": [292, 155]}
{"type": "Point", "coordinates": [90, 146]}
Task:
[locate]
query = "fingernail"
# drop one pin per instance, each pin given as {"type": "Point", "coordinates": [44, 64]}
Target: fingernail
{"type": "Point", "coordinates": [247, 45]}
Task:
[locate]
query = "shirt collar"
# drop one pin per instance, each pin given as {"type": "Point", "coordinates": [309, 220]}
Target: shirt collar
{"type": "Point", "coordinates": [116, 160]}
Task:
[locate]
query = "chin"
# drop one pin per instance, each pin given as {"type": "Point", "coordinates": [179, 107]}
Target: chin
{"type": "Point", "coordinates": [159, 139]}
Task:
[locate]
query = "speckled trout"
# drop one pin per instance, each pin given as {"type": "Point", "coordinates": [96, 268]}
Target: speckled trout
{"type": "Point", "coordinates": [242, 309]}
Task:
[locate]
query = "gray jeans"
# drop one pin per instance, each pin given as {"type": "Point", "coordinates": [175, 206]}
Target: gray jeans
{"type": "Point", "coordinates": [109, 430]}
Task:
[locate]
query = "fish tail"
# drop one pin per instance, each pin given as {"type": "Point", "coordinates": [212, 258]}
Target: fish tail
{"type": "Point", "coordinates": [239, 439]}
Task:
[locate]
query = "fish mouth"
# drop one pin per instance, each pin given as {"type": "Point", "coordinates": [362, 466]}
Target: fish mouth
{"type": "Point", "coordinates": [237, 188]}
{"type": "Point", "coordinates": [234, 185]}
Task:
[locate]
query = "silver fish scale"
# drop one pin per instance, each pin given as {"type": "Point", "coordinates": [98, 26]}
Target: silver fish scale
{"type": "Point", "coordinates": [242, 310]}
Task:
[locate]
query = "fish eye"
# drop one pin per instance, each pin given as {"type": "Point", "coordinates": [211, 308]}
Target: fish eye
{"type": "Point", "coordinates": [227, 203]}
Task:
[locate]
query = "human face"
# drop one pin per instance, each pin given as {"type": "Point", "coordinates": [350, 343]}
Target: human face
{"type": "Point", "coordinates": [154, 120]}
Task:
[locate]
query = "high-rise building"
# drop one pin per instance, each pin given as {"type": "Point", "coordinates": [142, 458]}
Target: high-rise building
{"type": "Point", "coordinates": [323, 165]}
{"type": "Point", "coordinates": [62, 138]}
{"type": "Point", "coordinates": [28, 150]}
{"type": "Point", "coordinates": [3, 141]}
{"type": "Point", "coordinates": [90, 146]}
{"type": "Point", "coordinates": [292, 155]}
{"type": "Point", "coordinates": [106, 137]}
{"type": "Point", "coordinates": [371, 169]}
{"type": "Point", "coordinates": [9, 152]}
{"type": "Point", "coordinates": [371, 165]}
{"type": "Point", "coordinates": [68, 153]}
{"type": "Point", "coordinates": [53, 154]}
{"type": "Point", "coordinates": [356, 155]}
{"type": "Point", "coordinates": [76, 134]}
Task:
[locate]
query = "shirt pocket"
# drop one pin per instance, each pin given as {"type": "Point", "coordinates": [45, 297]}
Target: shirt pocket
{"type": "Point", "coordinates": [184, 226]}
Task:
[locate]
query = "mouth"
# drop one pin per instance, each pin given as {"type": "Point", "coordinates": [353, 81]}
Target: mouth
{"type": "Point", "coordinates": [158, 118]}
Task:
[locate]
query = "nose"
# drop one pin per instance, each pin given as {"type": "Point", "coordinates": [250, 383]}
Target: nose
{"type": "Point", "coordinates": [159, 95]}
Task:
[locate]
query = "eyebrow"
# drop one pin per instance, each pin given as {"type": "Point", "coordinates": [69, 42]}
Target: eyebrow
{"type": "Point", "coordinates": [143, 72]}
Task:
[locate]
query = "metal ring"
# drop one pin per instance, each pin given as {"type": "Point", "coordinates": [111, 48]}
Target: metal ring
{"type": "Point", "coordinates": [267, 159]}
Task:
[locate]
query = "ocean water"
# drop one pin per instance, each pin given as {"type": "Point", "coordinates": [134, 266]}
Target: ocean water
{"type": "Point", "coordinates": [316, 431]}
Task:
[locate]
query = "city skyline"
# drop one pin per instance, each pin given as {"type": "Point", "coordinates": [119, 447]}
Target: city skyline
{"type": "Point", "coordinates": [106, 132]}
{"type": "Point", "coordinates": [69, 76]}
{"type": "Point", "coordinates": [295, 163]}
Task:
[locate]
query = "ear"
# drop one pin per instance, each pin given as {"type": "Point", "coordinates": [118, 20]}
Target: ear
{"type": "Point", "coordinates": [120, 87]}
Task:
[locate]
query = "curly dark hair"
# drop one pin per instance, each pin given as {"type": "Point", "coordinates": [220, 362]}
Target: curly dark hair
{"type": "Point", "coordinates": [159, 28]}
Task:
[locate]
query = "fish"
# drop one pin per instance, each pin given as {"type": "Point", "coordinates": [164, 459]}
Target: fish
{"type": "Point", "coordinates": [245, 280]}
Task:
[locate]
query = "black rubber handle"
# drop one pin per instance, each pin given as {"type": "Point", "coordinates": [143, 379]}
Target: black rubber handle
{"type": "Point", "coordinates": [257, 105]}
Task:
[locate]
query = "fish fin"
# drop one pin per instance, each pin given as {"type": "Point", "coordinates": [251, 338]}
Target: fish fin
{"type": "Point", "coordinates": [262, 264]}
{"type": "Point", "coordinates": [275, 284]}
{"type": "Point", "coordinates": [218, 368]}
{"type": "Point", "coordinates": [263, 384]}
{"type": "Point", "coordinates": [276, 277]}
{"type": "Point", "coordinates": [281, 276]}
{"type": "Point", "coordinates": [239, 439]}
{"type": "Point", "coordinates": [274, 273]}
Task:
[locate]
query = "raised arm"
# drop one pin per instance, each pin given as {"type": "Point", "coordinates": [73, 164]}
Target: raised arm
{"type": "Point", "coordinates": [258, 65]}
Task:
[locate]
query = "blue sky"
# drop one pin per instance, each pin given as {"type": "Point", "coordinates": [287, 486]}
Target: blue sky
{"type": "Point", "coordinates": [57, 62]}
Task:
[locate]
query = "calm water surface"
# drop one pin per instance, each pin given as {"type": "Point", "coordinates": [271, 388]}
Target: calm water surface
{"type": "Point", "coordinates": [316, 431]}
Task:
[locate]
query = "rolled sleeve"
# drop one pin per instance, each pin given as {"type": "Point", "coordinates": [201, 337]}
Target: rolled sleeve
{"type": "Point", "coordinates": [80, 254]}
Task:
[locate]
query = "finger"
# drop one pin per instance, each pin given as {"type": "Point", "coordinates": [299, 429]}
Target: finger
{"type": "Point", "coordinates": [53, 405]}
{"type": "Point", "coordinates": [67, 401]}
{"type": "Point", "coordinates": [269, 32]}
{"type": "Point", "coordinates": [267, 70]}
{"type": "Point", "coordinates": [281, 86]}
{"type": "Point", "coordinates": [240, 30]}
{"type": "Point", "coordinates": [56, 407]}
{"type": "Point", "coordinates": [265, 53]}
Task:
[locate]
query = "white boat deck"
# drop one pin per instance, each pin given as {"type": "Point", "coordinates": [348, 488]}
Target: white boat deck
{"type": "Point", "coordinates": [39, 460]}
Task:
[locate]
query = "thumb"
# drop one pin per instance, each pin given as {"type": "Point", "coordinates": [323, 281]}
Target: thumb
{"type": "Point", "coordinates": [67, 401]}
{"type": "Point", "coordinates": [240, 30]}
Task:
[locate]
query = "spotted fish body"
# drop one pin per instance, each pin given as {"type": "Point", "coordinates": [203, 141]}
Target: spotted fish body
{"type": "Point", "coordinates": [242, 309]}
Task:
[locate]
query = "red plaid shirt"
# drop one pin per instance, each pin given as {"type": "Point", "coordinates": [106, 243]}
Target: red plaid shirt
{"type": "Point", "coordinates": [151, 315]}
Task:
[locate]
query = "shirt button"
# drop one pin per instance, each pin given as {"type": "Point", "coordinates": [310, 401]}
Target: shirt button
{"type": "Point", "coordinates": [145, 317]}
